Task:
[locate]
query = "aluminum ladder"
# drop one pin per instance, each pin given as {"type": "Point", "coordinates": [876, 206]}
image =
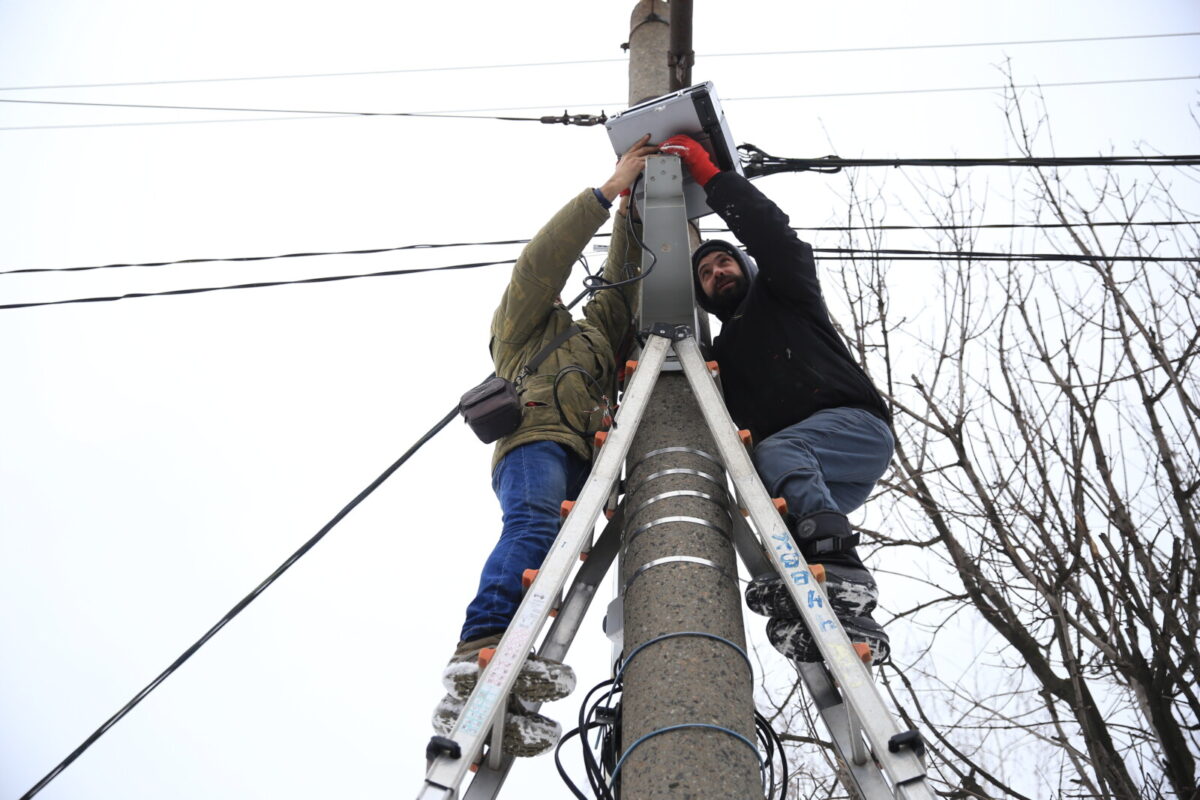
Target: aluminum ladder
{"type": "Point", "coordinates": [883, 760]}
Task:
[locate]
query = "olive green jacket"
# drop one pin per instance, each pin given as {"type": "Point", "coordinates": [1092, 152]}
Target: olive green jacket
{"type": "Point", "coordinates": [530, 316]}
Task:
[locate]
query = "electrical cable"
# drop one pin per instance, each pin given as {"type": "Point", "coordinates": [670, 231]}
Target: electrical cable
{"type": "Point", "coordinates": [542, 64]}
{"type": "Point", "coordinates": [757, 163]}
{"type": "Point", "coordinates": [593, 284]}
{"type": "Point", "coordinates": [566, 118]}
{"type": "Point", "coordinates": [603, 787]}
{"type": "Point", "coordinates": [940, 90]}
{"type": "Point", "coordinates": [501, 242]}
{"type": "Point", "coordinates": [587, 722]}
{"type": "Point", "coordinates": [683, 726]}
{"type": "Point", "coordinates": [370, 251]}
{"type": "Point", "coordinates": [258, 285]}
{"type": "Point", "coordinates": [436, 114]}
{"type": "Point", "coordinates": [351, 74]}
{"type": "Point", "coordinates": [975, 255]}
{"type": "Point", "coordinates": [979, 226]}
{"type": "Point", "coordinates": [571, 119]}
{"type": "Point", "coordinates": [774, 780]}
{"type": "Point", "coordinates": [241, 605]}
{"type": "Point", "coordinates": [773, 746]}
{"type": "Point", "coordinates": [842, 253]}
{"type": "Point", "coordinates": [167, 122]}
{"type": "Point", "coordinates": [562, 373]}
{"type": "Point", "coordinates": [887, 48]}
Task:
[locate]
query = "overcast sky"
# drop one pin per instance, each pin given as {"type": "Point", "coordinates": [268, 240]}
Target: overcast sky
{"type": "Point", "coordinates": [160, 456]}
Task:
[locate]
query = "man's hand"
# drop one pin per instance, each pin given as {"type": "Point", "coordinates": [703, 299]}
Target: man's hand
{"type": "Point", "coordinates": [628, 168]}
{"type": "Point", "coordinates": [694, 156]}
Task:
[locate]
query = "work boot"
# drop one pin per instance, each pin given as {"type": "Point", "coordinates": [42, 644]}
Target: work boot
{"type": "Point", "coordinates": [526, 733]}
{"type": "Point", "coordinates": [791, 637]}
{"type": "Point", "coordinates": [852, 593]}
{"type": "Point", "coordinates": [540, 680]}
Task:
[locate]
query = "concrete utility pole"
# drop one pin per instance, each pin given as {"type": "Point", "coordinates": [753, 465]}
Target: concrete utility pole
{"type": "Point", "coordinates": [681, 57]}
{"type": "Point", "coordinates": [678, 567]}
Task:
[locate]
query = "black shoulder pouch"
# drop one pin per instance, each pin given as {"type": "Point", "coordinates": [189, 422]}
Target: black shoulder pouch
{"type": "Point", "coordinates": [491, 409]}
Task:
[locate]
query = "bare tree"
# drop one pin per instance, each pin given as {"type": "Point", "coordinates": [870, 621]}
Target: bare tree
{"type": "Point", "coordinates": [1047, 468]}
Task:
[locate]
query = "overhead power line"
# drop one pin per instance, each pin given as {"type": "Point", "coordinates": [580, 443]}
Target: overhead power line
{"type": "Point", "coordinates": [575, 62]}
{"type": "Point", "coordinates": [503, 242]}
{"type": "Point", "coordinates": [256, 285]}
{"type": "Point", "coordinates": [892, 48]}
{"type": "Point", "coordinates": [842, 253]}
{"type": "Point", "coordinates": [241, 605]}
{"type": "Point", "coordinates": [370, 251]}
{"type": "Point", "coordinates": [979, 226]}
{"type": "Point", "coordinates": [977, 255]}
{"type": "Point", "coordinates": [757, 162]}
{"type": "Point", "coordinates": [999, 87]}
{"type": "Point", "coordinates": [168, 122]}
{"type": "Point", "coordinates": [565, 118]}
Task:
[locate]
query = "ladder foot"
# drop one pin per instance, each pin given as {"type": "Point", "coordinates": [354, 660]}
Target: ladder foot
{"type": "Point", "coordinates": [908, 739]}
{"type": "Point", "coordinates": [442, 746]}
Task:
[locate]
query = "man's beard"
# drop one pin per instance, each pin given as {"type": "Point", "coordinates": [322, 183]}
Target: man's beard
{"type": "Point", "coordinates": [726, 301]}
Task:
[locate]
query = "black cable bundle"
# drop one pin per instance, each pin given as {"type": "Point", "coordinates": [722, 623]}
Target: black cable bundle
{"type": "Point", "coordinates": [600, 758]}
{"type": "Point", "coordinates": [599, 714]}
{"type": "Point", "coordinates": [772, 746]}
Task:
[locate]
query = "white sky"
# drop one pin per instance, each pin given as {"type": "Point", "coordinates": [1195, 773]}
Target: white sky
{"type": "Point", "coordinates": [160, 456]}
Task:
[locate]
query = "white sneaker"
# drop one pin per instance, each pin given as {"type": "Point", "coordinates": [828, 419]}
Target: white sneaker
{"type": "Point", "coordinates": [539, 681]}
{"type": "Point", "coordinates": [526, 733]}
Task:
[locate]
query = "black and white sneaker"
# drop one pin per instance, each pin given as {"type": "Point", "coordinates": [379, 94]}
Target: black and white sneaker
{"type": "Point", "coordinates": [540, 679]}
{"type": "Point", "coordinates": [852, 593]}
{"type": "Point", "coordinates": [526, 733]}
{"type": "Point", "coordinates": [791, 637]}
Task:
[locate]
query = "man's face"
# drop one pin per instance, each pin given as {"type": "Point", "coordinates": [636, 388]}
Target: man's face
{"type": "Point", "coordinates": [721, 278]}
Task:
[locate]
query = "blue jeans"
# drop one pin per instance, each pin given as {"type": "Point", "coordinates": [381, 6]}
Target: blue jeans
{"type": "Point", "coordinates": [827, 462]}
{"type": "Point", "coordinates": [530, 482]}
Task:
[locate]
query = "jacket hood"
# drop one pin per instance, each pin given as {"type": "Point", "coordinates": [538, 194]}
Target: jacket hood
{"type": "Point", "coordinates": [749, 269]}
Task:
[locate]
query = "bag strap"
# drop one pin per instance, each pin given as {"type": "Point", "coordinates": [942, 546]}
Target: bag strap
{"type": "Point", "coordinates": [532, 364]}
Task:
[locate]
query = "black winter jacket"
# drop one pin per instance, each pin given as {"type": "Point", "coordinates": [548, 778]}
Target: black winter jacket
{"type": "Point", "coordinates": [781, 359]}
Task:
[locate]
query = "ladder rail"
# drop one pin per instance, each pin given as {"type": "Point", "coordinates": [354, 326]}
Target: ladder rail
{"type": "Point", "coordinates": [488, 780]}
{"type": "Point", "coordinates": [903, 768]}
{"type": "Point", "coordinates": [836, 716]}
{"type": "Point", "coordinates": [856, 711]}
{"type": "Point", "coordinates": [487, 702]}
{"type": "Point", "coordinates": [845, 736]}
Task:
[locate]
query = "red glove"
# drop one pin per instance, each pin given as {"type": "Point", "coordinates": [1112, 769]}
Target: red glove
{"type": "Point", "coordinates": [697, 159]}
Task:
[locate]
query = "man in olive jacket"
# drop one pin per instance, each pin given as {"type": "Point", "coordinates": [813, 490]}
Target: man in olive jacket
{"type": "Point", "coordinates": [822, 428]}
{"type": "Point", "coordinates": [547, 459]}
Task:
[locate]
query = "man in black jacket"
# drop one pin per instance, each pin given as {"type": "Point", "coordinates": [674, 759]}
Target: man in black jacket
{"type": "Point", "coordinates": [822, 428]}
